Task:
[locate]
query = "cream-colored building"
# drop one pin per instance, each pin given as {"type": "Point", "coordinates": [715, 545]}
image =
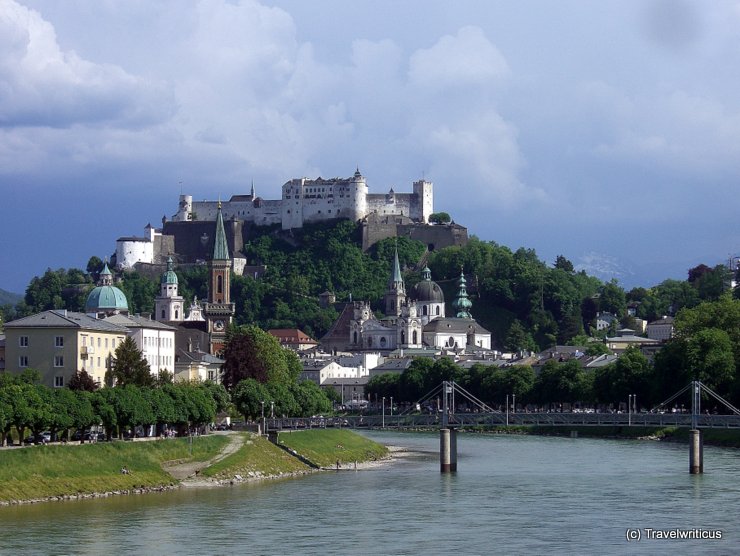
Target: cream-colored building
{"type": "Point", "coordinates": [59, 343]}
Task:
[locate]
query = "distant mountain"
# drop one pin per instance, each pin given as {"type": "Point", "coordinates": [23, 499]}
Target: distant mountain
{"type": "Point", "coordinates": [9, 298]}
{"type": "Point", "coordinates": [606, 267]}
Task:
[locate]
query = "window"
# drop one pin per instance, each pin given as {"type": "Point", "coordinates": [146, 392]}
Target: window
{"type": "Point", "coordinates": [98, 341]}
{"type": "Point", "coordinates": [106, 342]}
{"type": "Point", "coordinates": [59, 360]}
{"type": "Point", "coordinates": [437, 310]}
{"type": "Point", "coordinates": [58, 381]}
{"type": "Point", "coordinates": [84, 341]}
{"type": "Point", "coordinates": [59, 341]}
{"type": "Point", "coordinates": [162, 314]}
{"type": "Point", "coordinates": [98, 357]}
{"type": "Point", "coordinates": [23, 341]}
{"type": "Point", "coordinates": [23, 361]}
{"type": "Point", "coordinates": [382, 341]}
{"type": "Point", "coordinates": [415, 337]}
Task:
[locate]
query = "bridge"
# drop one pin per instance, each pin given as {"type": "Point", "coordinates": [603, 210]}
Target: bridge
{"type": "Point", "coordinates": [497, 419]}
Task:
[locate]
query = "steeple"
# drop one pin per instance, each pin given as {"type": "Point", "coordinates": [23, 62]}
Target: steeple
{"type": "Point", "coordinates": [462, 304]}
{"type": "Point", "coordinates": [106, 277]}
{"type": "Point", "coordinates": [395, 297]}
{"type": "Point", "coordinates": [396, 278]}
{"type": "Point", "coordinates": [253, 195]}
{"type": "Point", "coordinates": [220, 247]}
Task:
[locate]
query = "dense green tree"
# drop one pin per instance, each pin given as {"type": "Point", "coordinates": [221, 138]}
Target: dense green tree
{"type": "Point", "coordinates": [439, 218]}
{"type": "Point", "coordinates": [82, 380]}
{"type": "Point", "coordinates": [613, 299]}
{"type": "Point", "coordinates": [310, 398]}
{"type": "Point", "coordinates": [219, 394]}
{"type": "Point", "coordinates": [384, 385]}
{"type": "Point", "coordinates": [709, 356]}
{"type": "Point", "coordinates": [562, 383]}
{"type": "Point", "coordinates": [248, 396]}
{"type": "Point", "coordinates": [129, 366]}
{"type": "Point", "coordinates": [631, 374]}
{"type": "Point", "coordinates": [518, 339]}
{"type": "Point", "coordinates": [282, 400]}
{"type": "Point", "coordinates": [563, 264]}
{"type": "Point", "coordinates": [251, 352]}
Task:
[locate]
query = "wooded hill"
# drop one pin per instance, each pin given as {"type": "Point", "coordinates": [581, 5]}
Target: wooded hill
{"type": "Point", "coordinates": [525, 302]}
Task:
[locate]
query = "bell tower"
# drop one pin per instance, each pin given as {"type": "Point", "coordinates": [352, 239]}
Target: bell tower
{"type": "Point", "coordinates": [395, 297]}
{"type": "Point", "coordinates": [219, 311]}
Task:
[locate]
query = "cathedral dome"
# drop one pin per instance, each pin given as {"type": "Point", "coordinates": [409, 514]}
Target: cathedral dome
{"type": "Point", "coordinates": [106, 298]}
{"type": "Point", "coordinates": [428, 291]}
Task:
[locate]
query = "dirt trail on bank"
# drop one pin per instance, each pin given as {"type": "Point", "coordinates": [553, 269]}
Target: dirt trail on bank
{"type": "Point", "coordinates": [186, 472]}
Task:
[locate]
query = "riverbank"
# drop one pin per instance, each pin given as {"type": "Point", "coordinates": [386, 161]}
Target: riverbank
{"type": "Point", "coordinates": [729, 438]}
{"type": "Point", "coordinates": [67, 472]}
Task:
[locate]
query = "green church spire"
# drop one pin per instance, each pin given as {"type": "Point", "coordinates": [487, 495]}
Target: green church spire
{"type": "Point", "coordinates": [396, 277]}
{"type": "Point", "coordinates": [462, 304]}
{"type": "Point", "coordinates": [220, 248]}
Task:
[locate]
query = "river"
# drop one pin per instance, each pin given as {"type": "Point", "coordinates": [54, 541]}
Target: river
{"type": "Point", "coordinates": [511, 495]}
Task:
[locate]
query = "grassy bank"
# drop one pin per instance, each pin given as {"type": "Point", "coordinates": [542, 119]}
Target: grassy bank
{"type": "Point", "coordinates": [257, 457]}
{"type": "Point", "coordinates": [47, 471]}
{"type": "Point", "coordinates": [325, 447]}
{"type": "Point", "coordinates": [715, 437]}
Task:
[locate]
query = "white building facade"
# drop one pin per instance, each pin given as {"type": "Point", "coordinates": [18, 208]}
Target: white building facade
{"type": "Point", "coordinates": [314, 200]}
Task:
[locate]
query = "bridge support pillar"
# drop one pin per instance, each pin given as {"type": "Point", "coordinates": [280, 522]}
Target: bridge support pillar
{"type": "Point", "coordinates": [696, 452]}
{"type": "Point", "coordinates": [453, 450]}
{"type": "Point", "coordinates": [445, 451]}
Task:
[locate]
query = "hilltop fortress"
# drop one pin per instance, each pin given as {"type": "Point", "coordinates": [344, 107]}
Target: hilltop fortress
{"type": "Point", "coordinates": [188, 235]}
{"type": "Point", "coordinates": [305, 200]}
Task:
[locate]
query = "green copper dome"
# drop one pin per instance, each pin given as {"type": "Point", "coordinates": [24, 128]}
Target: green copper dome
{"type": "Point", "coordinates": [106, 297]}
{"type": "Point", "coordinates": [169, 277]}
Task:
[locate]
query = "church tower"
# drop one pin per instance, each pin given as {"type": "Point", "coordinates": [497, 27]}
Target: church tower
{"type": "Point", "coordinates": [395, 297]}
{"type": "Point", "coordinates": [462, 304]}
{"type": "Point", "coordinates": [169, 305]}
{"type": "Point", "coordinates": [219, 311]}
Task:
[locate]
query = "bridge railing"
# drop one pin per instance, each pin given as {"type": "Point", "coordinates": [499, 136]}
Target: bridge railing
{"type": "Point", "coordinates": [429, 420]}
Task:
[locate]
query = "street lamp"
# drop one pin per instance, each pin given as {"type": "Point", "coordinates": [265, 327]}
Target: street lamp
{"type": "Point", "coordinates": [272, 410]}
{"type": "Point", "coordinates": [383, 421]}
{"type": "Point", "coordinates": [391, 406]}
{"type": "Point", "coordinates": [631, 406]}
{"type": "Point", "coordinates": [507, 410]}
{"type": "Point", "coordinates": [262, 403]}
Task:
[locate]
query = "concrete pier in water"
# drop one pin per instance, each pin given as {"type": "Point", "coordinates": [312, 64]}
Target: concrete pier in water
{"type": "Point", "coordinates": [696, 452]}
{"type": "Point", "coordinates": [444, 451]}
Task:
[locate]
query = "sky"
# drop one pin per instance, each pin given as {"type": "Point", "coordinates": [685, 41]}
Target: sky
{"type": "Point", "coordinates": [608, 132]}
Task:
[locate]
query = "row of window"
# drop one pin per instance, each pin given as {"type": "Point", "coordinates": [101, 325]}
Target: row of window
{"type": "Point", "coordinates": [24, 342]}
{"type": "Point", "coordinates": [100, 340]}
{"type": "Point", "coordinates": [159, 360]}
{"type": "Point", "coordinates": [150, 341]}
{"type": "Point", "coordinates": [59, 361]}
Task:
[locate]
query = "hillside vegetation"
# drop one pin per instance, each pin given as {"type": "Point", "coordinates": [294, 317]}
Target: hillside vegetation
{"type": "Point", "coordinates": [527, 303]}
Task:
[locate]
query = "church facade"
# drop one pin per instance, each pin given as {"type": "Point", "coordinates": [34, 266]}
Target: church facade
{"type": "Point", "coordinates": [417, 319]}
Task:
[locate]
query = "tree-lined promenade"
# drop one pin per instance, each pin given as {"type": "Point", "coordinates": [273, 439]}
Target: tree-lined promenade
{"type": "Point", "coordinates": [27, 406]}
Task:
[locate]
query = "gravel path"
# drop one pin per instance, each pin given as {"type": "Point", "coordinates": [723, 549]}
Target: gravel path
{"type": "Point", "coordinates": [187, 471]}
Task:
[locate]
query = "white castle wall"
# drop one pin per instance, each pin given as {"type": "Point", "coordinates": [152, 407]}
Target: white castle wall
{"type": "Point", "coordinates": [131, 250]}
{"type": "Point", "coordinates": [304, 200]}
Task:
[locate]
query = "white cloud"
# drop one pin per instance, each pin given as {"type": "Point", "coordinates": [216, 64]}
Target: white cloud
{"type": "Point", "coordinates": [42, 86]}
{"type": "Point", "coordinates": [464, 60]}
